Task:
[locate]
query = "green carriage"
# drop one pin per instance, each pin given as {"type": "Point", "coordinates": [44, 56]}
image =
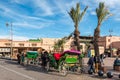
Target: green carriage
{"type": "Point", "coordinates": [69, 61]}
{"type": "Point", "coordinates": [32, 54]}
{"type": "Point", "coordinates": [31, 57]}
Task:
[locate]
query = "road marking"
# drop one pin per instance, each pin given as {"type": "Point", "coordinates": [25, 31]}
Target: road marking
{"type": "Point", "coordinates": [21, 74]}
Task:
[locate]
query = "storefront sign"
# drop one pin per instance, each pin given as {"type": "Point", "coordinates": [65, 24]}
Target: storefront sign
{"type": "Point", "coordinates": [4, 49]}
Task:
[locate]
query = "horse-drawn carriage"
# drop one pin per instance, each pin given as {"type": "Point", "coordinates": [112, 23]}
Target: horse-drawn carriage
{"type": "Point", "coordinates": [69, 61]}
{"type": "Point", "coordinates": [31, 57]}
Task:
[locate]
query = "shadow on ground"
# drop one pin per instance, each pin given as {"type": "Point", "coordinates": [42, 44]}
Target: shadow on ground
{"type": "Point", "coordinates": [38, 68]}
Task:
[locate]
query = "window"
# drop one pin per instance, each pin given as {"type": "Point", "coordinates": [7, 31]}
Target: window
{"type": "Point", "coordinates": [7, 44]}
{"type": "Point", "coordinates": [34, 44]}
{"type": "Point", "coordinates": [21, 44]}
{"type": "Point", "coordinates": [108, 40]}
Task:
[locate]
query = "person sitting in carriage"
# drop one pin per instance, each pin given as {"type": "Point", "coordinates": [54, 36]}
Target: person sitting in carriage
{"type": "Point", "coordinates": [57, 56]}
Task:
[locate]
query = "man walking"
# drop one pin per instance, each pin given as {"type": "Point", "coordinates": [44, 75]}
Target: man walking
{"type": "Point", "coordinates": [18, 58]}
{"type": "Point", "coordinates": [91, 63]}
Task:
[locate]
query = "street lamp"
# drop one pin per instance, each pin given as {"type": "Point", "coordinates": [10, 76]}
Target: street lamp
{"type": "Point", "coordinates": [11, 39]}
{"type": "Point", "coordinates": [110, 31]}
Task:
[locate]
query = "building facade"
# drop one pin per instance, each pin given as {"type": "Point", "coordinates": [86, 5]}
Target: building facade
{"type": "Point", "coordinates": [111, 43]}
{"type": "Point", "coordinates": [32, 44]}
{"type": "Point", "coordinates": [36, 44]}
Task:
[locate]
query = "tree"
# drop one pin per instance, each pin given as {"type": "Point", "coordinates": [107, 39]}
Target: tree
{"type": "Point", "coordinates": [59, 45]}
{"type": "Point", "coordinates": [76, 16]}
{"type": "Point", "coordinates": [56, 46]}
{"type": "Point", "coordinates": [102, 14]}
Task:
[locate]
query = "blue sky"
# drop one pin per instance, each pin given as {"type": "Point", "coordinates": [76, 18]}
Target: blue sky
{"type": "Point", "coordinates": [49, 18]}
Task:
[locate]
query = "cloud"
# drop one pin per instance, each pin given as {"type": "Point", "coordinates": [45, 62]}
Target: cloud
{"type": "Point", "coordinates": [20, 38]}
{"type": "Point", "coordinates": [93, 13]}
{"type": "Point", "coordinates": [64, 6]}
{"type": "Point", "coordinates": [33, 25]}
{"type": "Point", "coordinates": [25, 24]}
{"type": "Point", "coordinates": [44, 6]}
{"type": "Point", "coordinates": [16, 1]}
{"type": "Point", "coordinates": [4, 37]}
{"type": "Point", "coordinates": [19, 1]}
{"type": "Point", "coordinates": [112, 5]}
{"type": "Point", "coordinates": [22, 20]}
{"type": "Point", "coordinates": [117, 19]}
{"type": "Point", "coordinates": [52, 15]}
{"type": "Point", "coordinates": [16, 38]}
{"type": "Point", "coordinates": [50, 8]}
{"type": "Point", "coordinates": [12, 13]}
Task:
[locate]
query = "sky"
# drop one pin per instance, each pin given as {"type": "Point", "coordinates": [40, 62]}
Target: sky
{"type": "Point", "coordinates": [33, 19]}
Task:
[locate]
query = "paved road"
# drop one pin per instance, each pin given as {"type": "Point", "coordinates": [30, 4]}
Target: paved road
{"type": "Point", "coordinates": [10, 70]}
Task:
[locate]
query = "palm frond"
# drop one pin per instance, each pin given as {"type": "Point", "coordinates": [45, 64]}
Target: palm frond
{"type": "Point", "coordinates": [82, 14]}
{"type": "Point", "coordinates": [102, 12]}
{"type": "Point", "coordinates": [76, 15]}
{"type": "Point", "coordinates": [72, 14]}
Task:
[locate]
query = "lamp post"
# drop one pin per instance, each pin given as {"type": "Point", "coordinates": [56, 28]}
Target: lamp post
{"type": "Point", "coordinates": [11, 39]}
{"type": "Point", "coordinates": [110, 31]}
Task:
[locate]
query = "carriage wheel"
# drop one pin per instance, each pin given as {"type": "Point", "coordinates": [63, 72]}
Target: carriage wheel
{"type": "Point", "coordinates": [62, 69]}
{"type": "Point", "coordinates": [48, 66]}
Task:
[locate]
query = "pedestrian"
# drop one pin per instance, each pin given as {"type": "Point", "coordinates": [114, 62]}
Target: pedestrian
{"type": "Point", "coordinates": [89, 52]}
{"type": "Point", "coordinates": [44, 58]}
{"type": "Point", "coordinates": [22, 58]}
{"type": "Point", "coordinates": [116, 60]}
{"type": "Point", "coordinates": [102, 57]}
{"type": "Point", "coordinates": [97, 63]}
{"type": "Point", "coordinates": [91, 63]}
{"type": "Point", "coordinates": [18, 58]}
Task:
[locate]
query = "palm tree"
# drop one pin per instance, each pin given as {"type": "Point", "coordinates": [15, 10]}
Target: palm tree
{"type": "Point", "coordinates": [102, 14]}
{"type": "Point", "coordinates": [56, 46]}
{"type": "Point", "coordinates": [59, 45]}
{"type": "Point", "coordinates": [77, 17]}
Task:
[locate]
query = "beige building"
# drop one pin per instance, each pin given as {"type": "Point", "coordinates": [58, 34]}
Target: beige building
{"type": "Point", "coordinates": [34, 44]}
{"type": "Point", "coordinates": [110, 42]}
{"type": "Point", "coordinates": [106, 42]}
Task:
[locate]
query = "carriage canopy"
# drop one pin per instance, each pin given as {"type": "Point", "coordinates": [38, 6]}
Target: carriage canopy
{"type": "Point", "coordinates": [32, 54]}
{"type": "Point", "coordinates": [72, 52]}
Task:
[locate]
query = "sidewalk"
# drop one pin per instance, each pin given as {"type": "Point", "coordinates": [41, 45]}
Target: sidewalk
{"type": "Point", "coordinates": [108, 63]}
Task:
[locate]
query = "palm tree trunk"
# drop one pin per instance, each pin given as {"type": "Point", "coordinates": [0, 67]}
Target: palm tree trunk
{"type": "Point", "coordinates": [77, 40]}
{"type": "Point", "coordinates": [62, 48]}
{"type": "Point", "coordinates": [96, 39]}
{"type": "Point", "coordinates": [96, 46]}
